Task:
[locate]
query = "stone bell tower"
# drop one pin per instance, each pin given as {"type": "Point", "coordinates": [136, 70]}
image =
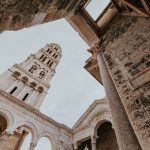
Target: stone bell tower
{"type": "Point", "coordinates": [29, 81]}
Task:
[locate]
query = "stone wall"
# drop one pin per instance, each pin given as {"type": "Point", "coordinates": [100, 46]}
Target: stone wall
{"type": "Point", "coordinates": [126, 48]}
{"type": "Point", "coordinates": [17, 14]}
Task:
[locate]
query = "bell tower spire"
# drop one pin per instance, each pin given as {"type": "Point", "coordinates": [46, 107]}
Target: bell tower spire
{"type": "Point", "coordinates": [29, 81]}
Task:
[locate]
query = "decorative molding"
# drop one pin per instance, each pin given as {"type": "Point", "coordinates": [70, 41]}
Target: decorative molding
{"type": "Point", "coordinates": [88, 111]}
{"type": "Point", "coordinates": [88, 125]}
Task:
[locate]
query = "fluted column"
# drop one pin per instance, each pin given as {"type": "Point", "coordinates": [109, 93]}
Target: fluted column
{"type": "Point", "coordinates": [124, 133]}
{"type": "Point", "coordinates": [32, 146]}
{"type": "Point", "coordinates": [93, 142]}
{"type": "Point", "coordinates": [3, 140]}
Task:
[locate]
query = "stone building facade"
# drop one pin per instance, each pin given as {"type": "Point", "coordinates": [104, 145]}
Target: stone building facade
{"type": "Point", "coordinates": [120, 48]}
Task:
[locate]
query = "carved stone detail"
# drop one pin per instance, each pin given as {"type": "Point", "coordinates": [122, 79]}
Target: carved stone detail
{"type": "Point", "coordinates": [8, 2]}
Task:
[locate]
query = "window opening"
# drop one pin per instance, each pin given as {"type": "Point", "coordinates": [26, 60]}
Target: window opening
{"type": "Point", "coordinates": [48, 62]}
{"type": "Point", "coordinates": [44, 59]}
{"type": "Point", "coordinates": [41, 56]}
{"type": "Point", "coordinates": [25, 97]}
{"type": "Point", "coordinates": [13, 90]}
{"type": "Point", "coordinates": [51, 64]}
{"type": "Point", "coordinates": [56, 48]}
{"type": "Point", "coordinates": [41, 75]}
{"type": "Point", "coordinates": [32, 69]}
{"type": "Point", "coordinates": [54, 55]}
{"type": "Point", "coordinates": [50, 52]}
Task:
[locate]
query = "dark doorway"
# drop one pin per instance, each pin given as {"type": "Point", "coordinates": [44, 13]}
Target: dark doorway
{"type": "Point", "coordinates": [106, 137]}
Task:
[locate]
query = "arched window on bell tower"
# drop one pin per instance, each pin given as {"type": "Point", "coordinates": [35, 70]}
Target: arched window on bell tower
{"type": "Point", "coordinates": [48, 62]}
{"type": "Point", "coordinates": [50, 65]}
{"type": "Point", "coordinates": [41, 56]}
{"type": "Point", "coordinates": [44, 58]}
{"type": "Point", "coordinates": [33, 68]}
{"type": "Point", "coordinates": [41, 74]}
{"type": "Point", "coordinates": [50, 52]}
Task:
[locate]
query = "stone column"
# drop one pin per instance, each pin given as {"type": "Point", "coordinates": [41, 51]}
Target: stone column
{"type": "Point", "coordinates": [93, 142]}
{"type": "Point", "coordinates": [124, 133]}
{"type": "Point", "coordinates": [32, 146]}
{"type": "Point", "coordinates": [75, 145]}
{"type": "Point", "coordinates": [3, 140]}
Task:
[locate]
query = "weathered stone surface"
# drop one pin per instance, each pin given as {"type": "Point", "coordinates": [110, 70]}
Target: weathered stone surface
{"type": "Point", "coordinates": [17, 14]}
{"type": "Point", "coordinates": [126, 48]}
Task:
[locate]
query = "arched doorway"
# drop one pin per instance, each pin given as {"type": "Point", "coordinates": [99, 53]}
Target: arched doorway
{"type": "Point", "coordinates": [106, 137]}
{"type": "Point", "coordinates": [3, 124]}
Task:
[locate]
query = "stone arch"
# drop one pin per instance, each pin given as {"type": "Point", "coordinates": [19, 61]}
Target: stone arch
{"type": "Point", "coordinates": [30, 126]}
{"type": "Point", "coordinates": [9, 118]}
{"type": "Point", "coordinates": [99, 118]}
{"type": "Point", "coordinates": [51, 138]}
{"type": "Point", "coordinates": [106, 138]}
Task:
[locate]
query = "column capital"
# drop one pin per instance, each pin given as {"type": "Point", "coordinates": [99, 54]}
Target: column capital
{"type": "Point", "coordinates": [94, 50]}
{"type": "Point", "coordinates": [93, 139]}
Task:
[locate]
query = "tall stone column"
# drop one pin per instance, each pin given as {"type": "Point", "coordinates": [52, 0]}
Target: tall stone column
{"type": "Point", "coordinates": [124, 133]}
{"type": "Point", "coordinates": [3, 140]}
{"type": "Point", "coordinates": [32, 146]}
{"type": "Point", "coordinates": [93, 142]}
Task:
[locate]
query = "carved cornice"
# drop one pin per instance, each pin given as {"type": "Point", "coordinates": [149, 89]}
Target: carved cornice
{"type": "Point", "coordinates": [88, 111]}
{"type": "Point", "coordinates": [32, 110]}
{"type": "Point", "coordinates": [99, 113]}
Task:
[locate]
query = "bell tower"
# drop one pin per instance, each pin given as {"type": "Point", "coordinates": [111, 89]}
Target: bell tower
{"type": "Point", "coordinates": [29, 81]}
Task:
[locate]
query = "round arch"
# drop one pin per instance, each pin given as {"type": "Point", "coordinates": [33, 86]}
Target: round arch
{"type": "Point", "coordinates": [30, 126]}
{"type": "Point", "coordinates": [9, 119]}
{"type": "Point", "coordinates": [97, 119]}
{"type": "Point", "coordinates": [51, 138]}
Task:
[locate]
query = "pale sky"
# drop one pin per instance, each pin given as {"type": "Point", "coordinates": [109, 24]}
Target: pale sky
{"type": "Point", "coordinates": [73, 89]}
